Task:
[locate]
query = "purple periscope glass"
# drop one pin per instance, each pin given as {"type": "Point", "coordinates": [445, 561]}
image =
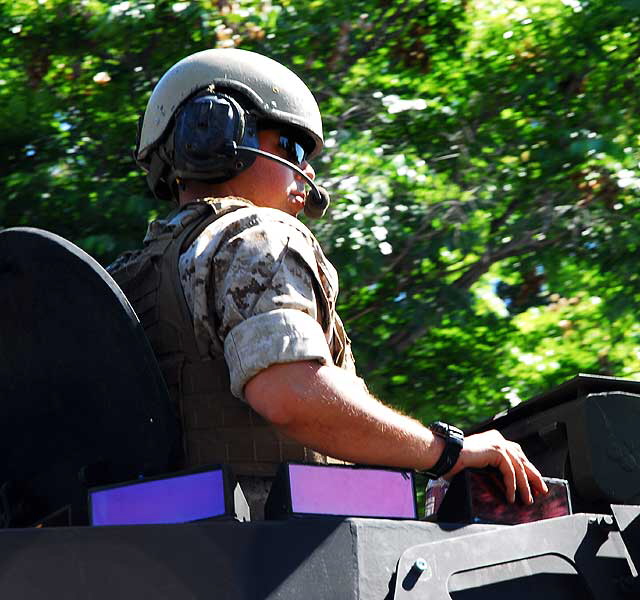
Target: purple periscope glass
{"type": "Point", "coordinates": [360, 492]}
{"type": "Point", "coordinates": [177, 499]}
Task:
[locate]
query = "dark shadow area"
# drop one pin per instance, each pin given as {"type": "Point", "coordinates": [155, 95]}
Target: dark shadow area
{"type": "Point", "coordinates": [628, 519]}
{"type": "Point", "coordinates": [302, 559]}
{"type": "Point", "coordinates": [82, 400]}
{"type": "Point", "coordinates": [550, 586]}
{"type": "Point", "coordinates": [83, 404]}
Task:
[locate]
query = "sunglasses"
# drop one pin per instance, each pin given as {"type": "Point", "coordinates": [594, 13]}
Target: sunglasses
{"type": "Point", "coordinates": [296, 152]}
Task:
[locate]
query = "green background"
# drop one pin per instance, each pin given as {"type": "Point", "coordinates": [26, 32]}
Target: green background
{"type": "Point", "coordinates": [482, 158]}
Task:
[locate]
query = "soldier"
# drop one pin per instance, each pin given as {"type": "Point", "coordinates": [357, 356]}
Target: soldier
{"type": "Point", "coordinates": [238, 299]}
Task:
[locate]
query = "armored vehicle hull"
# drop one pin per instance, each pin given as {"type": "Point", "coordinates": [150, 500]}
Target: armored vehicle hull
{"type": "Point", "coordinates": [83, 404]}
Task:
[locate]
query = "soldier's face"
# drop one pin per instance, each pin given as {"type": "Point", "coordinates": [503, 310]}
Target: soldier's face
{"type": "Point", "coordinates": [270, 184]}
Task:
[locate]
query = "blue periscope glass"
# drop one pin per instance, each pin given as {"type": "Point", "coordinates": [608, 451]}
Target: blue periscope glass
{"type": "Point", "coordinates": [178, 499]}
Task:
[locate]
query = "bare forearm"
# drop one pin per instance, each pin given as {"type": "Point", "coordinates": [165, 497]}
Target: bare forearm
{"type": "Point", "coordinates": [331, 411]}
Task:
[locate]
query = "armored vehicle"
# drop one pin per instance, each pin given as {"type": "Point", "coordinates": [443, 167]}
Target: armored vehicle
{"type": "Point", "coordinates": [85, 415]}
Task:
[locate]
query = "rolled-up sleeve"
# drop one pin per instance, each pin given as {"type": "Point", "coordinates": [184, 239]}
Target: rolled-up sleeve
{"type": "Point", "coordinates": [262, 284]}
{"type": "Point", "coordinates": [279, 336]}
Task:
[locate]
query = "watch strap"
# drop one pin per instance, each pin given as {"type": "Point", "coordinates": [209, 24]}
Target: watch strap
{"type": "Point", "coordinates": [454, 439]}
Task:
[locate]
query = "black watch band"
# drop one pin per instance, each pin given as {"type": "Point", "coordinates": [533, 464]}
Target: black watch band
{"type": "Point", "coordinates": [454, 439]}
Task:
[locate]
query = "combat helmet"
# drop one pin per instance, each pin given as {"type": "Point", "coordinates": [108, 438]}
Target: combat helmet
{"type": "Point", "coordinates": [239, 90]}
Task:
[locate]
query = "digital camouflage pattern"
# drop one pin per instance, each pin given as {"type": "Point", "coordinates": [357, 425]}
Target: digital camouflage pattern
{"type": "Point", "coordinates": [224, 289]}
{"type": "Point", "coordinates": [261, 291]}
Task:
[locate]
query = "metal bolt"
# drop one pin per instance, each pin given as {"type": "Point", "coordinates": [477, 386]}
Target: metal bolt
{"type": "Point", "coordinates": [419, 569]}
{"type": "Point", "coordinates": [420, 565]}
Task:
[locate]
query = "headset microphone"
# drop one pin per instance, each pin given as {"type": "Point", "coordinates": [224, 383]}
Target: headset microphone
{"type": "Point", "coordinates": [318, 198]}
{"type": "Point", "coordinates": [317, 202]}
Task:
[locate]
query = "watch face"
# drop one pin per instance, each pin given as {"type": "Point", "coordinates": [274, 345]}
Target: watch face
{"type": "Point", "coordinates": [439, 428]}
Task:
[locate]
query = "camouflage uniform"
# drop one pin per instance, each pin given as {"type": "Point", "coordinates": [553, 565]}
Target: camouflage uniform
{"type": "Point", "coordinates": [261, 291]}
{"type": "Point", "coordinates": [254, 289]}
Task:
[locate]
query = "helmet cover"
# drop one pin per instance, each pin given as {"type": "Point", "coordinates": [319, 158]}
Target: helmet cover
{"type": "Point", "coordinates": [274, 92]}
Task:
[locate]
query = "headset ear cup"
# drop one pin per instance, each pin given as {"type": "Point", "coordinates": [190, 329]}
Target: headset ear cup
{"type": "Point", "coordinates": [206, 136]}
{"type": "Point", "coordinates": [249, 139]}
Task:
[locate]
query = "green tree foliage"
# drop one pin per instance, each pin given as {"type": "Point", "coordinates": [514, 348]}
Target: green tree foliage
{"type": "Point", "coordinates": [482, 157]}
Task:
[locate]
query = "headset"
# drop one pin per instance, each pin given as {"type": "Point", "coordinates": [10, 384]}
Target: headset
{"type": "Point", "coordinates": [215, 137]}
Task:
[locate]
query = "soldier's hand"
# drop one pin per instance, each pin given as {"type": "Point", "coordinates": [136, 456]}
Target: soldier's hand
{"type": "Point", "coordinates": [491, 449]}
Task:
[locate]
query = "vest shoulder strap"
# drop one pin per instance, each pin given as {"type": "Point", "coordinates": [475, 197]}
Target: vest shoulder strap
{"type": "Point", "coordinates": [188, 225]}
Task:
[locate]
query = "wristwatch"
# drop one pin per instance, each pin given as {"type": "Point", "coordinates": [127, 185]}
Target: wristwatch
{"type": "Point", "coordinates": [454, 438]}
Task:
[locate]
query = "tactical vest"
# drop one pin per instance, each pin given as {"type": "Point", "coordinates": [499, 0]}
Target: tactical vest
{"type": "Point", "coordinates": [216, 426]}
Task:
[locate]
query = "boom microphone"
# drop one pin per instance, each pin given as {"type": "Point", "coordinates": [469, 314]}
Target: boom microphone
{"type": "Point", "coordinates": [317, 202]}
{"type": "Point", "coordinates": [317, 199]}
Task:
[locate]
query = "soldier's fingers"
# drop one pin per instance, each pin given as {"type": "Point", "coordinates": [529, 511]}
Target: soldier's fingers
{"type": "Point", "coordinates": [535, 478]}
{"type": "Point", "coordinates": [522, 480]}
{"type": "Point", "coordinates": [532, 474]}
{"type": "Point", "coordinates": [508, 475]}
